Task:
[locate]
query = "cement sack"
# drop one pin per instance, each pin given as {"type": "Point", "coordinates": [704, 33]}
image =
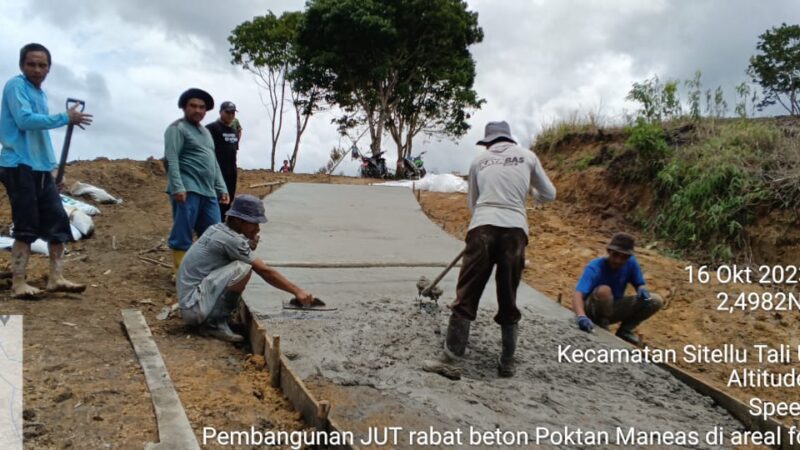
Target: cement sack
{"type": "Point", "coordinates": [95, 193]}
{"type": "Point", "coordinates": [84, 207]}
{"type": "Point", "coordinates": [80, 221]}
{"type": "Point", "coordinates": [447, 183]}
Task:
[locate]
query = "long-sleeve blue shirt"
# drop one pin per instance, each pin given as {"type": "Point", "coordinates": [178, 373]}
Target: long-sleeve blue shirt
{"type": "Point", "coordinates": [24, 121]}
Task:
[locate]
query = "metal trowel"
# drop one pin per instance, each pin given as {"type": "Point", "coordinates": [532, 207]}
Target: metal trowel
{"type": "Point", "coordinates": [316, 305]}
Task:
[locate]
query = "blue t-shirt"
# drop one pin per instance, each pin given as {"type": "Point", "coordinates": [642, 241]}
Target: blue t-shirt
{"type": "Point", "coordinates": [598, 273]}
{"type": "Point", "coordinates": [24, 121]}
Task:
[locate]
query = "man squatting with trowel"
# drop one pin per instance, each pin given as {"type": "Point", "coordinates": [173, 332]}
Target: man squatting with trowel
{"type": "Point", "coordinates": [499, 182]}
{"type": "Point", "coordinates": [600, 298]}
{"type": "Point", "coordinates": [217, 268]}
{"type": "Point", "coordinates": [194, 178]}
{"type": "Point", "coordinates": [26, 162]}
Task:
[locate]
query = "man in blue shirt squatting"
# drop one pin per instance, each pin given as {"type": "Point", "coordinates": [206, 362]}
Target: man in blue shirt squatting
{"type": "Point", "coordinates": [26, 163]}
{"type": "Point", "coordinates": [195, 180]}
{"type": "Point", "coordinates": [600, 294]}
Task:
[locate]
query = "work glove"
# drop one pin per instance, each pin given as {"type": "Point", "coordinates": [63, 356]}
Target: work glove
{"type": "Point", "coordinates": [644, 294]}
{"type": "Point", "coordinates": [585, 324]}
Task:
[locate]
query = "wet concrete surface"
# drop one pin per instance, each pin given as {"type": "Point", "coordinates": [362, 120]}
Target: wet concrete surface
{"type": "Point", "coordinates": [367, 356]}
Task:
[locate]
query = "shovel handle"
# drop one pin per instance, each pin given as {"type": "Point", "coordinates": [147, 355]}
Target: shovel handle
{"type": "Point", "coordinates": [71, 102]}
{"type": "Point", "coordinates": [444, 272]}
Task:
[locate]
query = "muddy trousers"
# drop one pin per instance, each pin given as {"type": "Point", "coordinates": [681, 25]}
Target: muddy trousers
{"type": "Point", "coordinates": [489, 246]}
{"type": "Point", "coordinates": [629, 311]}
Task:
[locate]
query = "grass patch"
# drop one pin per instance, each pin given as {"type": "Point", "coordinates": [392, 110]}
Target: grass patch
{"type": "Point", "coordinates": [577, 123]}
{"type": "Point", "coordinates": [710, 181]}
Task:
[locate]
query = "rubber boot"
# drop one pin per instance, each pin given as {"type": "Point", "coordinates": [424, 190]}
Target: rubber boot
{"type": "Point", "coordinates": [455, 344]}
{"type": "Point", "coordinates": [626, 334]}
{"type": "Point", "coordinates": [216, 324]}
{"type": "Point", "coordinates": [20, 253]}
{"type": "Point", "coordinates": [177, 258]}
{"type": "Point", "coordinates": [505, 364]}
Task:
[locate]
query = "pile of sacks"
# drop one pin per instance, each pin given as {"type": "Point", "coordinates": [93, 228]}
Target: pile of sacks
{"type": "Point", "coordinates": [80, 214]}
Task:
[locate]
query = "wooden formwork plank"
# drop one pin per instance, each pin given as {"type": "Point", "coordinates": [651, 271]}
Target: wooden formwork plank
{"type": "Point", "coordinates": [174, 428]}
{"type": "Point", "coordinates": [314, 413]}
{"type": "Point", "coordinates": [734, 406]}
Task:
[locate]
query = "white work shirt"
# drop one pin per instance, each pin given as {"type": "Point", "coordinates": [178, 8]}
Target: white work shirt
{"type": "Point", "coordinates": [499, 182]}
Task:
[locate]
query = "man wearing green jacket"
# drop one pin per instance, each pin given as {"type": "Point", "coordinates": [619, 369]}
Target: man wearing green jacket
{"type": "Point", "coordinates": [195, 182]}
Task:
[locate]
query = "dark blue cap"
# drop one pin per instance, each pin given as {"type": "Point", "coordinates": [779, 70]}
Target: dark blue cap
{"type": "Point", "coordinates": [248, 208]}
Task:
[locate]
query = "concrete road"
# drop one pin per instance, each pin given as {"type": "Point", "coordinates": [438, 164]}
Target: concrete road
{"type": "Point", "coordinates": [367, 356]}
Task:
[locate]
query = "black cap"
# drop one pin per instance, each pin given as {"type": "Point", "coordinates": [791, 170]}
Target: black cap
{"type": "Point", "coordinates": [227, 106]}
{"type": "Point", "coordinates": [196, 93]}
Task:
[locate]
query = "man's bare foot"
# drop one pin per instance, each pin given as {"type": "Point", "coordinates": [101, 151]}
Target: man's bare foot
{"type": "Point", "coordinates": [64, 285]}
{"type": "Point", "coordinates": [25, 291]}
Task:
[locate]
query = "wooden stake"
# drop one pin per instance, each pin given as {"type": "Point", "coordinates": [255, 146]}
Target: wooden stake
{"type": "Point", "coordinates": [275, 362]}
{"type": "Point", "coordinates": [323, 409]}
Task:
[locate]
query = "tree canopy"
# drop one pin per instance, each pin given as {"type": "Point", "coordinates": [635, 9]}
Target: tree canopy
{"type": "Point", "coordinates": [404, 66]}
{"type": "Point", "coordinates": [266, 46]}
{"type": "Point", "coordinates": [777, 67]}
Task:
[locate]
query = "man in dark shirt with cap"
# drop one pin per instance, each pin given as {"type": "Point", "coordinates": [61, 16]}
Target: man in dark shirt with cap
{"type": "Point", "coordinates": [600, 298]}
{"type": "Point", "coordinates": [226, 144]}
{"type": "Point", "coordinates": [218, 266]}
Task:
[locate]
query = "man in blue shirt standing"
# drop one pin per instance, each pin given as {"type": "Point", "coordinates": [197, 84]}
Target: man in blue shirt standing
{"type": "Point", "coordinates": [600, 294]}
{"type": "Point", "coordinates": [26, 163]}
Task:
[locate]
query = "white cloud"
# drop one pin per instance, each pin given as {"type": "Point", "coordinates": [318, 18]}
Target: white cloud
{"type": "Point", "coordinates": [540, 61]}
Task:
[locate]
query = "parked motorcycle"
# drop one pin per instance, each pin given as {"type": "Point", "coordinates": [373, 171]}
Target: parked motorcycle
{"type": "Point", "coordinates": [373, 166]}
{"type": "Point", "coordinates": [414, 167]}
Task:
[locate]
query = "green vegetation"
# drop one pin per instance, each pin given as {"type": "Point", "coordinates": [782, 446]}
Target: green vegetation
{"type": "Point", "coordinates": [777, 67]}
{"type": "Point", "coordinates": [648, 150]}
{"type": "Point", "coordinates": [576, 124]}
{"type": "Point", "coordinates": [710, 176]}
{"type": "Point", "coordinates": [399, 67]}
{"type": "Point", "coordinates": [710, 190]}
{"type": "Point", "coordinates": [396, 68]}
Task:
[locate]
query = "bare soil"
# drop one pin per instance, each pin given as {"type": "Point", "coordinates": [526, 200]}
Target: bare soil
{"type": "Point", "coordinates": [84, 387]}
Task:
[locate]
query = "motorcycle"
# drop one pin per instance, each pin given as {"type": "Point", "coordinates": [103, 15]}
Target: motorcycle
{"type": "Point", "coordinates": [414, 167]}
{"type": "Point", "coordinates": [373, 166]}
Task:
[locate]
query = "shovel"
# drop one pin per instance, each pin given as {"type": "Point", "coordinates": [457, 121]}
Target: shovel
{"type": "Point", "coordinates": [71, 102]}
{"type": "Point", "coordinates": [429, 289]}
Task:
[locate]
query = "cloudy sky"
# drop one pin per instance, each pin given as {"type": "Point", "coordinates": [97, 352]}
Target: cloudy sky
{"type": "Point", "coordinates": [541, 61]}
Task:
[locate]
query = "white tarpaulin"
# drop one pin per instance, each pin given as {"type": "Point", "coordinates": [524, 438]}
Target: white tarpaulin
{"type": "Point", "coordinates": [446, 182]}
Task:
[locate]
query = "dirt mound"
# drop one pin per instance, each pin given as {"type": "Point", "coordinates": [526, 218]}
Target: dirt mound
{"type": "Point", "coordinates": [589, 171]}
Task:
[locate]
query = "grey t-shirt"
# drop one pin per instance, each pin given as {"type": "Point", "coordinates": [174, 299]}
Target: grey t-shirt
{"type": "Point", "coordinates": [217, 247]}
{"type": "Point", "coordinates": [499, 181]}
